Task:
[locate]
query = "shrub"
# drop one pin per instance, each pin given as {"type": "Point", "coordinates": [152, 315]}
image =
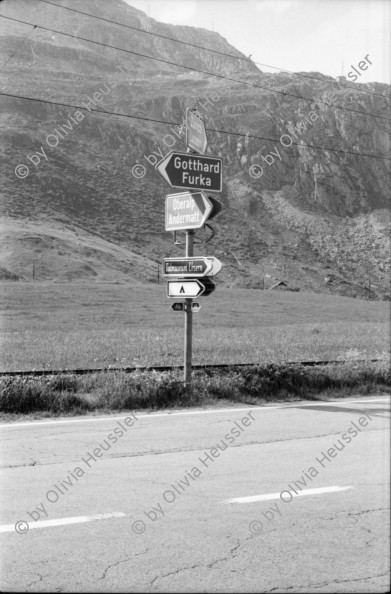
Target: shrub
{"type": "Point", "coordinates": [118, 390]}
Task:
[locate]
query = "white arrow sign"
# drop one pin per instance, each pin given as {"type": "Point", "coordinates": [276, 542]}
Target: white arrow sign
{"type": "Point", "coordinates": [216, 265]}
{"type": "Point", "coordinates": [187, 210]}
{"type": "Point", "coordinates": [195, 267]}
{"type": "Point", "coordinates": [186, 289]}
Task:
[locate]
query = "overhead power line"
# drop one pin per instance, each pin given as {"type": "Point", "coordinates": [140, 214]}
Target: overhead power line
{"type": "Point", "coordinates": [193, 69]}
{"type": "Point", "coordinates": [166, 37]}
{"type": "Point", "coordinates": [167, 123]}
{"type": "Point", "coordinates": [19, 47]}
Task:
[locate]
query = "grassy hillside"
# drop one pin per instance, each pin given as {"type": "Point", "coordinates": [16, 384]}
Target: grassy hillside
{"type": "Point", "coordinates": [44, 249]}
{"type": "Point", "coordinates": [48, 325]}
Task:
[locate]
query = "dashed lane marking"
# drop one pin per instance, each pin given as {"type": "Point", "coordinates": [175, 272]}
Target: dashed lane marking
{"type": "Point", "coordinates": [272, 496]}
{"type": "Point", "coordinates": [63, 521]}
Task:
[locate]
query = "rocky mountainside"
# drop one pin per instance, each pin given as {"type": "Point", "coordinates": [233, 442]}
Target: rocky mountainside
{"type": "Point", "coordinates": [313, 217]}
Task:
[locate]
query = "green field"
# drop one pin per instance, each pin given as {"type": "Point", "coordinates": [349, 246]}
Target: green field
{"type": "Point", "coordinates": [46, 325]}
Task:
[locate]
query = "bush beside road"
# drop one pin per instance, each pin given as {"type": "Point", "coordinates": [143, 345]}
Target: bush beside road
{"type": "Point", "coordinates": [149, 389]}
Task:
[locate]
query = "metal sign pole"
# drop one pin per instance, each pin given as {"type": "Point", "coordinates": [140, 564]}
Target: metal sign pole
{"type": "Point", "coordinates": [188, 311]}
{"type": "Point", "coordinates": [188, 317]}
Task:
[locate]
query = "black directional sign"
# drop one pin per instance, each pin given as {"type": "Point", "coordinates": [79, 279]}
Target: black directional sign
{"type": "Point", "coordinates": [209, 286]}
{"type": "Point", "coordinates": [194, 172]}
{"type": "Point", "coordinates": [178, 306]}
{"type": "Point", "coordinates": [216, 207]}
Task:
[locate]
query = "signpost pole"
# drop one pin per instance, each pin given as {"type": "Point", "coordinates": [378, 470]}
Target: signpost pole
{"type": "Point", "coordinates": [194, 210]}
{"type": "Point", "coordinates": [188, 312]}
{"type": "Point", "coordinates": [188, 317]}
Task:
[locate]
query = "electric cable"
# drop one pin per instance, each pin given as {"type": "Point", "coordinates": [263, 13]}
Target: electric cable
{"type": "Point", "coordinates": [193, 69]}
{"type": "Point", "coordinates": [166, 37]}
{"type": "Point", "coordinates": [167, 123]}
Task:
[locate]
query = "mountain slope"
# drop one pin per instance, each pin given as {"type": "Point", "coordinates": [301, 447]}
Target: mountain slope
{"type": "Point", "coordinates": [312, 217]}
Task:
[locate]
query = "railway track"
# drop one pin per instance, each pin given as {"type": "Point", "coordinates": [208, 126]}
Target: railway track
{"type": "Point", "coordinates": [43, 372]}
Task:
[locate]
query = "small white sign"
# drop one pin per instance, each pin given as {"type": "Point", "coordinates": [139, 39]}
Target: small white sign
{"type": "Point", "coordinates": [185, 289]}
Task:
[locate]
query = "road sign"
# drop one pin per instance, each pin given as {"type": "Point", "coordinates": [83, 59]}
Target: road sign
{"type": "Point", "coordinates": [186, 289]}
{"type": "Point", "coordinates": [195, 267]}
{"type": "Point", "coordinates": [216, 266]}
{"type": "Point", "coordinates": [194, 172]}
{"type": "Point", "coordinates": [195, 132]}
{"type": "Point", "coordinates": [216, 207]}
{"type": "Point", "coordinates": [178, 306]}
{"type": "Point", "coordinates": [187, 210]}
{"type": "Point", "coordinates": [209, 286]}
{"type": "Point", "coordinates": [195, 307]}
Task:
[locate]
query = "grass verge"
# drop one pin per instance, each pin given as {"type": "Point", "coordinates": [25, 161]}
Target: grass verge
{"type": "Point", "coordinates": [118, 391]}
{"type": "Point", "coordinates": [47, 325]}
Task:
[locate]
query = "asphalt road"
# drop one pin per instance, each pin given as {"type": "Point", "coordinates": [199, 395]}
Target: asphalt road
{"type": "Point", "coordinates": [167, 507]}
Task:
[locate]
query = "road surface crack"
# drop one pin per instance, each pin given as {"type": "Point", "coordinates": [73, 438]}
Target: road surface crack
{"type": "Point", "coordinates": [199, 448]}
{"type": "Point", "coordinates": [41, 578]}
{"type": "Point", "coordinates": [355, 514]}
{"type": "Point", "coordinates": [128, 558]}
{"type": "Point", "coordinates": [322, 584]}
{"type": "Point", "coordinates": [164, 575]}
{"type": "Point", "coordinates": [229, 557]}
{"type": "Point", "coordinates": [367, 511]}
{"type": "Point", "coordinates": [362, 579]}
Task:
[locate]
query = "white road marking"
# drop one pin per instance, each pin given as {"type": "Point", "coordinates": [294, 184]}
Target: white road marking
{"type": "Point", "coordinates": [190, 412]}
{"type": "Point", "coordinates": [272, 496]}
{"type": "Point", "coordinates": [64, 521]}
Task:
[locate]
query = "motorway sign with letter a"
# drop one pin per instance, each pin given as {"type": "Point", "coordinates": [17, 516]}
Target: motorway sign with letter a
{"type": "Point", "coordinates": [186, 288]}
{"type": "Point", "coordinates": [195, 132]}
{"type": "Point", "coordinates": [194, 172]}
{"type": "Point", "coordinates": [187, 210]}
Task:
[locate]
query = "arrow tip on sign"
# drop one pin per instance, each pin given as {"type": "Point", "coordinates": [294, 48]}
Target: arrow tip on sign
{"type": "Point", "coordinates": [216, 207]}
{"type": "Point", "coordinates": [161, 167]}
{"type": "Point", "coordinates": [216, 266]}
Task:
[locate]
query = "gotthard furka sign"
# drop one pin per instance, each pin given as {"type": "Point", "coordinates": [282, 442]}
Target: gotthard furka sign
{"type": "Point", "coordinates": [194, 172]}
